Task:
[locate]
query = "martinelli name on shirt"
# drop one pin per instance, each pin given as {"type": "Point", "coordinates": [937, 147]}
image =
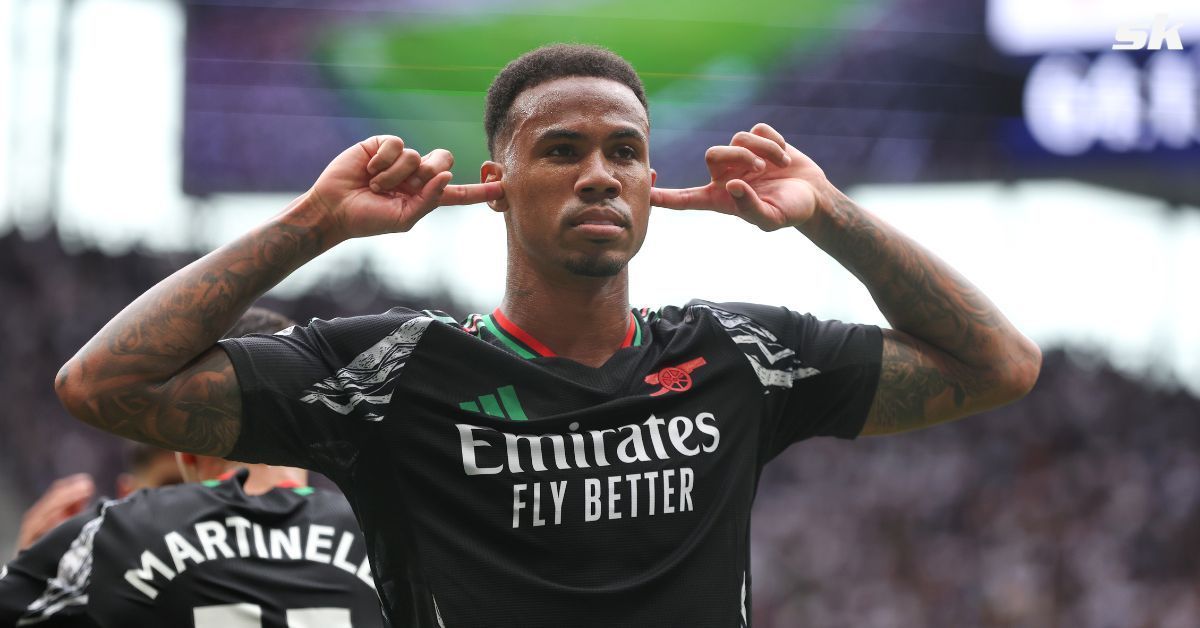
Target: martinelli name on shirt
{"type": "Point", "coordinates": [249, 540]}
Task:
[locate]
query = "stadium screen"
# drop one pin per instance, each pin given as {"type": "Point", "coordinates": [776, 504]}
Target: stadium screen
{"type": "Point", "coordinates": [882, 90]}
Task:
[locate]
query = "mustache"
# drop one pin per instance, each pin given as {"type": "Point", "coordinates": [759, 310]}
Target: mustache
{"type": "Point", "coordinates": [614, 210]}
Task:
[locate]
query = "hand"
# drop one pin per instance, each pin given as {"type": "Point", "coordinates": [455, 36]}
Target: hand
{"type": "Point", "coordinates": [65, 498]}
{"type": "Point", "coordinates": [379, 186]}
{"type": "Point", "coordinates": [759, 177]}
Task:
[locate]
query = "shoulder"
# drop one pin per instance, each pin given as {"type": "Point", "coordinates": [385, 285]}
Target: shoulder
{"type": "Point", "coordinates": [376, 343]}
{"type": "Point", "coordinates": [60, 566]}
{"type": "Point", "coordinates": [43, 557]}
{"type": "Point", "coordinates": [331, 507]}
{"type": "Point", "coordinates": [303, 505]}
{"type": "Point", "coordinates": [768, 322]}
{"type": "Point", "coordinates": [370, 325]}
{"type": "Point", "coordinates": [342, 332]}
{"type": "Point", "coordinates": [783, 346]}
{"type": "Point", "coordinates": [171, 497]}
{"type": "Point", "coordinates": [145, 511]}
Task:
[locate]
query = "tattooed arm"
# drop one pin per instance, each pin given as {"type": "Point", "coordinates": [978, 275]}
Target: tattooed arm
{"type": "Point", "coordinates": [950, 353]}
{"type": "Point", "coordinates": [154, 372]}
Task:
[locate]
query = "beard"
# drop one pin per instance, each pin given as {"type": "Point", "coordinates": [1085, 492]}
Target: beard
{"type": "Point", "coordinates": [597, 266]}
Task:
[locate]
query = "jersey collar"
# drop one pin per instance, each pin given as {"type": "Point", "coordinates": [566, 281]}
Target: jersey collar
{"type": "Point", "coordinates": [526, 346]}
{"type": "Point", "coordinates": [230, 474]}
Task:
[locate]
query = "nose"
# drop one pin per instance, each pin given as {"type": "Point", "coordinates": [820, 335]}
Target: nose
{"type": "Point", "coordinates": [596, 182]}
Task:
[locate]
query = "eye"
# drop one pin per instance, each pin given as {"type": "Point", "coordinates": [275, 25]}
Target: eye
{"type": "Point", "coordinates": [626, 152]}
{"type": "Point", "coordinates": [561, 150]}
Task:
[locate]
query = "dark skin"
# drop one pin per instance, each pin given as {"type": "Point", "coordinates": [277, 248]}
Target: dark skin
{"type": "Point", "coordinates": [950, 352]}
{"type": "Point", "coordinates": [572, 174]}
{"type": "Point", "coordinates": [575, 151]}
{"type": "Point", "coordinates": [154, 373]}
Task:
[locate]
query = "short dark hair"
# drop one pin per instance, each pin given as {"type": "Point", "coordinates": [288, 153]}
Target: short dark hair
{"type": "Point", "coordinates": [139, 456]}
{"type": "Point", "coordinates": [548, 63]}
{"type": "Point", "coordinates": [259, 320]}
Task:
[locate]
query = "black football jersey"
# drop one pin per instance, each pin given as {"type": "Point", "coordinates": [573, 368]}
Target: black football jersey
{"type": "Point", "coordinates": [204, 555]}
{"type": "Point", "coordinates": [501, 485]}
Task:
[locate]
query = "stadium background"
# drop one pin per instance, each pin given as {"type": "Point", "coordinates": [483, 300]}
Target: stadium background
{"type": "Point", "coordinates": [1006, 135]}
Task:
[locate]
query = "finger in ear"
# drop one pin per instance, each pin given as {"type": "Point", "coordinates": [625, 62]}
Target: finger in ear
{"type": "Point", "coordinates": [499, 205]}
{"type": "Point", "coordinates": [489, 174]}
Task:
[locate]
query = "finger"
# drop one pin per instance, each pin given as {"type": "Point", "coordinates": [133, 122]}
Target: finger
{"type": "Point", "coordinates": [473, 193]}
{"type": "Point", "coordinates": [763, 147]}
{"type": "Point", "coordinates": [685, 198]}
{"type": "Point", "coordinates": [69, 480]}
{"type": "Point", "coordinates": [403, 168]}
{"type": "Point", "coordinates": [67, 490]}
{"type": "Point", "coordinates": [744, 198]}
{"type": "Point", "coordinates": [73, 493]}
{"type": "Point", "coordinates": [424, 201]}
{"type": "Point", "coordinates": [721, 159]}
{"type": "Point", "coordinates": [76, 506]}
{"type": "Point", "coordinates": [387, 150]}
{"type": "Point", "coordinates": [434, 162]}
{"type": "Point", "coordinates": [762, 129]}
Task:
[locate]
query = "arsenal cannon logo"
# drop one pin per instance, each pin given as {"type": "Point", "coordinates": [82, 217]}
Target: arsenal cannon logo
{"type": "Point", "coordinates": [674, 378]}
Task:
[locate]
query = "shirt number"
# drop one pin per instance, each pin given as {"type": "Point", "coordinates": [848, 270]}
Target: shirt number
{"type": "Point", "coordinates": [250, 616]}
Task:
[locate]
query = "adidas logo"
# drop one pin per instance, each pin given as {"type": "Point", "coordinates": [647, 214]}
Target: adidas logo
{"type": "Point", "coordinates": [501, 405]}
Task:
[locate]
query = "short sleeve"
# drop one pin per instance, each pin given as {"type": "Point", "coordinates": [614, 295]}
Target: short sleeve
{"type": "Point", "coordinates": [309, 391]}
{"type": "Point", "coordinates": [46, 584]}
{"type": "Point", "coordinates": [822, 374]}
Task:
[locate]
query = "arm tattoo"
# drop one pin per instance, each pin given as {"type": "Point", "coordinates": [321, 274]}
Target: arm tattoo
{"type": "Point", "coordinates": [915, 290]}
{"type": "Point", "coordinates": [153, 373]}
{"type": "Point", "coordinates": [954, 350]}
{"type": "Point", "coordinates": [908, 385]}
{"type": "Point", "coordinates": [204, 406]}
{"type": "Point", "coordinates": [198, 410]}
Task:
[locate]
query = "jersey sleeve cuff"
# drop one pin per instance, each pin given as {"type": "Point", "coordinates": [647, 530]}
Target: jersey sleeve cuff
{"type": "Point", "coordinates": [243, 368]}
{"type": "Point", "coordinates": [873, 354]}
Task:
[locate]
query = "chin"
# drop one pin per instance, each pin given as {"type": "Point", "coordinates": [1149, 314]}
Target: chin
{"type": "Point", "coordinates": [601, 266]}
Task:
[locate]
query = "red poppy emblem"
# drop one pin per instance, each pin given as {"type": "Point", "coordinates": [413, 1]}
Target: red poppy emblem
{"type": "Point", "coordinates": [674, 378]}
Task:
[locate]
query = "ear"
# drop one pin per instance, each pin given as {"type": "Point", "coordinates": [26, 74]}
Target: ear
{"type": "Point", "coordinates": [492, 171]}
{"type": "Point", "coordinates": [125, 484]}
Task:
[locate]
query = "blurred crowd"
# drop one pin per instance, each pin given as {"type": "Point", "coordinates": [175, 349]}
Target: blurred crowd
{"type": "Point", "coordinates": [1078, 506]}
{"type": "Point", "coordinates": [55, 300]}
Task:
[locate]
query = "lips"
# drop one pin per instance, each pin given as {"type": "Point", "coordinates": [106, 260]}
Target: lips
{"type": "Point", "coordinates": [600, 216]}
{"type": "Point", "coordinates": [599, 224]}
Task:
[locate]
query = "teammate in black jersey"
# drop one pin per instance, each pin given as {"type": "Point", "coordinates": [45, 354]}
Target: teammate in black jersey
{"type": "Point", "coordinates": [149, 467]}
{"type": "Point", "coordinates": [564, 460]}
{"type": "Point", "coordinates": [237, 548]}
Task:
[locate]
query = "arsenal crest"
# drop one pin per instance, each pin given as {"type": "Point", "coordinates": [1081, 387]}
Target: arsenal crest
{"type": "Point", "coordinates": [674, 378]}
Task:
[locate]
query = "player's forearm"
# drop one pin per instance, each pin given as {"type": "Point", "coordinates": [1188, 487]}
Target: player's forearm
{"type": "Point", "coordinates": [919, 293]}
{"type": "Point", "coordinates": [183, 316]}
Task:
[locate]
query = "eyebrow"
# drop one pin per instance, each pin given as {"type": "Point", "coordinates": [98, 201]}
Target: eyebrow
{"type": "Point", "coordinates": [559, 134]}
{"type": "Point", "coordinates": [628, 132]}
{"type": "Point", "coordinates": [567, 134]}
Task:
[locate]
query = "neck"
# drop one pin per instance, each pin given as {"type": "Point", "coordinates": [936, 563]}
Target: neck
{"type": "Point", "coordinates": [555, 309]}
{"type": "Point", "coordinates": [263, 477]}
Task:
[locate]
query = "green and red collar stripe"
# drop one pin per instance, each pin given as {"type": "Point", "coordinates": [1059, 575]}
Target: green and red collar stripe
{"type": "Point", "coordinates": [229, 475]}
{"type": "Point", "coordinates": [526, 346]}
